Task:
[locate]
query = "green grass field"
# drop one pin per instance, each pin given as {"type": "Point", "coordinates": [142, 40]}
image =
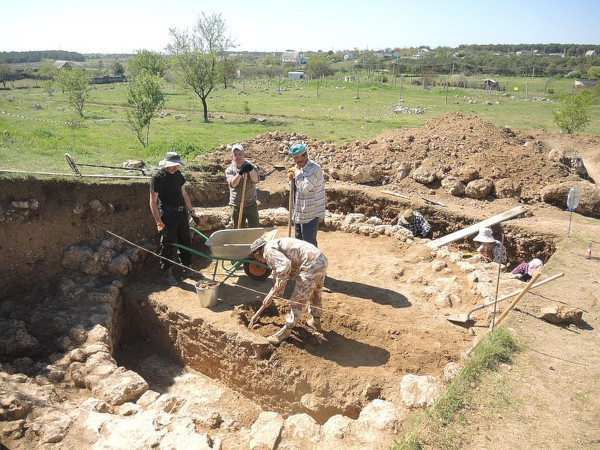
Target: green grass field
{"type": "Point", "coordinates": [37, 128]}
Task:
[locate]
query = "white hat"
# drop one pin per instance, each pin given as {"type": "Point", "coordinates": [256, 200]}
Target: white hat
{"type": "Point", "coordinates": [534, 264]}
{"type": "Point", "coordinates": [237, 146]}
{"type": "Point", "coordinates": [485, 235]}
{"type": "Point", "coordinates": [171, 159]}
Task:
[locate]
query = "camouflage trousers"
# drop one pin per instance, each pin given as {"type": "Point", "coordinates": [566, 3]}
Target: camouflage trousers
{"type": "Point", "coordinates": [308, 290]}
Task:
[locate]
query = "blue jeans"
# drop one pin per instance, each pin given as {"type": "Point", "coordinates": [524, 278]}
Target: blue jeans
{"type": "Point", "coordinates": [307, 231]}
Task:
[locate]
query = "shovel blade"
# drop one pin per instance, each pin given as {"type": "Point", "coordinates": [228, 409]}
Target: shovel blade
{"type": "Point", "coordinates": [460, 319]}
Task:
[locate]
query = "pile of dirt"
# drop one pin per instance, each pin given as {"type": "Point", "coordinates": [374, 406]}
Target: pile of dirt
{"type": "Point", "coordinates": [452, 145]}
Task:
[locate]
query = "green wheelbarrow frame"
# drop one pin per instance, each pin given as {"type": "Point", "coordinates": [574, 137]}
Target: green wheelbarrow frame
{"type": "Point", "coordinates": [233, 246]}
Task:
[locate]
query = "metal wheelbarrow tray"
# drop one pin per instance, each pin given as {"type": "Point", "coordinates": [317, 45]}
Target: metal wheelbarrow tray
{"type": "Point", "coordinates": [233, 247]}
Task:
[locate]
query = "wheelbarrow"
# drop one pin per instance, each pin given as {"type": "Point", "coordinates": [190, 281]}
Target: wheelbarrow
{"type": "Point", "coordinates": [230, 249]}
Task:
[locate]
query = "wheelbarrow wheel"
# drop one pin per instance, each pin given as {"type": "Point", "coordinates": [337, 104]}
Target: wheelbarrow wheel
{"type": "Point", "coordinates": [256, 271]}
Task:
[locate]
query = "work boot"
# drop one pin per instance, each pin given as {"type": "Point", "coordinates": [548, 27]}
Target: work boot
{"type": "Point", "coordinates": [280, 336]}
{"type": "Point", "coordinates": [169, 278]}
{"type": "Point", "coordinates": [314, 323]}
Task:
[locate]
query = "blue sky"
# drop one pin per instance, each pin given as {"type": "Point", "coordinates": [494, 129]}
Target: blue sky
{"type": "Point", "coordinates": [125, 26]}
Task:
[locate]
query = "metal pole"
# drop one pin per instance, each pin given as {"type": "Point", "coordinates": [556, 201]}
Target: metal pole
{"type": "Point", "coordinates": [497, 284]}
{"type": "Point", "coordinates": [570, 217]}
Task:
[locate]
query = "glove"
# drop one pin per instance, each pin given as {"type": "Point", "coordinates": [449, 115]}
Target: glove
{"type": "Point", "coordinates": [245, 168]}
{"type": "Point", "coordinates": [291, 173]}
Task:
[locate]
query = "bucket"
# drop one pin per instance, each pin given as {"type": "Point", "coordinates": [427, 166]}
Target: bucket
{"type": "Point", "coordinates": [208, 292]}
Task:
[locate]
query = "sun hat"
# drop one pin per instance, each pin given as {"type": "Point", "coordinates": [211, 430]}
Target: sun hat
{"type": "Point", "coordinates": [534, 264]}
{"type": "Point", "coordinates": [407, 216]}
{"type": "Point", "coordinates": [485, 235]}
{"type": "Point", "coordinates": [257, 245]}
{"type": "Point", "coordinates": [237, 146]}
{"type": "Point", "coordinates": [298, 149]}
{"type": "Point", "coordinates": [171, 159]}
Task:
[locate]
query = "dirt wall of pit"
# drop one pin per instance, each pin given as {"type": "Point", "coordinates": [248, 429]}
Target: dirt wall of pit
{"type": "Point", "coordinates": [242, 360]}
{"type": "Point", "coordinates": [39, 219]}
{"type": "Point", "coordinates": [522, 244]}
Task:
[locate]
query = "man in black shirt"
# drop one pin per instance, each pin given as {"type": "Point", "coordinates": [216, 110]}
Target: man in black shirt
{"type": "Point", "coordinates": [170, 205]}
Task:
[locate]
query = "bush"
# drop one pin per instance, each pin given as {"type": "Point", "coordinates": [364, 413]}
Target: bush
{"type": "Point", "coordinates": [574, 112]}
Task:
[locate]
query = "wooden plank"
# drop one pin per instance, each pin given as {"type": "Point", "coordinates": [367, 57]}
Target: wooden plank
{"type": "Point", "coordinates": [460, 234]}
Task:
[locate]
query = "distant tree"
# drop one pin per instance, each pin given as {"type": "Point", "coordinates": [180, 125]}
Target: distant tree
{"type": "Point", "coordinates": [228, 70]}
{"type": "Point", "coordinates": [151, 62]}
{"type": "Point", "coordinates": [197, 56]}
{"type": "Point", "coordinates": [5, 74]}
{"type": "Point", "coordinates": [118, 69]}
{"type": "Point", "coordinates": [76, 85]}
{"type": "Point", "coordinates": [49, 75]}
{"type": "Point", "coordinates": [574, 112]}
{"type": "Point", "coordinates": [146, 98]}
{"type": "Point", "coordinates": [318, 67]}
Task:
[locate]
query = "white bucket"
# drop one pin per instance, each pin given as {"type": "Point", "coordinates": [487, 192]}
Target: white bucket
{"type": "Point", "coordinates": [208, 292]}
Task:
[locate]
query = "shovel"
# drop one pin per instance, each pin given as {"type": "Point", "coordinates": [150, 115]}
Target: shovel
{"type": "Point", "coordinates": [265, 304]}
{"type": "Point", "coordinates": [291, 209]}
{"type": "Point", "coordinates": [241, 214]}
{"type": "Point", "coordinates": [431, 202]}
{"type": "Point", "coordinates": [466, 318]}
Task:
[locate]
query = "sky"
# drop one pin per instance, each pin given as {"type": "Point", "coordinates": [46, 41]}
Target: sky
{"type": "Point", "coordinates": [127, 26]}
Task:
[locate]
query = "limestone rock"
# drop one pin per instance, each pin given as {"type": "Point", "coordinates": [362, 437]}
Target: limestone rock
{"type": "Point", "coordinates": [120, 386]}
{"type": "Point", "coordinates": [424, 176]}
{"type": "Point", "coordinates": [505, 188]}
{"type": "Point", "coordinates": [479, 189]}
{"type": "Point", "coordinates": [419, 391]}
{"type": "Point", "coordinates": [561, 314]}
{"type": "Point", "coordinates": [120, 265]}
{"type": "Point", "coordinates": [450, 371]}
{"type": "Point", "coordinates": [265, 431]}
{"type": "Point", "coordinates": [556, 194]}
{"type": "Point", "coordinates": [302, 429]}
{"type": "Point", "coordinates": [453, 186]}
{"type": "Point", "coordinates": [570, 158]}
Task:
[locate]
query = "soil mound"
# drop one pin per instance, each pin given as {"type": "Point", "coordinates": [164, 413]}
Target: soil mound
{"type": "Point", "coordinates": [463, 147]}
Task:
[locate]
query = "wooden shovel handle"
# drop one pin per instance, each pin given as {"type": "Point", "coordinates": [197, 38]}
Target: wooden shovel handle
{"type": "Point", "coordinates": [241, 213]}
{"type": "Point", "coordinates": [290, 208]}
{"type": "Point", "coordinates": [516, 300]}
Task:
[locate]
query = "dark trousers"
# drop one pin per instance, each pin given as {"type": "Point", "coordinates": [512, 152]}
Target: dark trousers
{"type": "Point", "coordinates": [307, 231]}
{"type": "Point", "coordinates": [249, 218]}
{"type": "Point", "coordinates": [177, 230]}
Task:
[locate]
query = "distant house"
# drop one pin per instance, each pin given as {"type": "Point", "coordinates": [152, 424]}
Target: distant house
{"type": "Point", "coordinates": [66, 65]}
{"type": "Point", "coordinates": [105, 79]}
{"type": "Point", "coordinates": [349, 57]}
{"type": "Point", "coordinates": [296, 75]}
{"type": "Point", "coordinates": [349, 78]}
{"type": "Point", "coordinates": [526, 52]}
{"type": "Point", "coordinates": [490, 84]}
{"type": "Point", "coordinates": [293, 57]}
{"type": "Point", "coordinates": [590, 53]}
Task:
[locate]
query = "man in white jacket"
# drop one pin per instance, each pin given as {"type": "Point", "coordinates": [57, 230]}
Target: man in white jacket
{"type": "Point", "coordinates": [309, 194]}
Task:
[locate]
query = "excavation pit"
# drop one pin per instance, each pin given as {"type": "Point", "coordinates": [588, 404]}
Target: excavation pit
{"type": "Point", "coordinates": [385, 308]}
